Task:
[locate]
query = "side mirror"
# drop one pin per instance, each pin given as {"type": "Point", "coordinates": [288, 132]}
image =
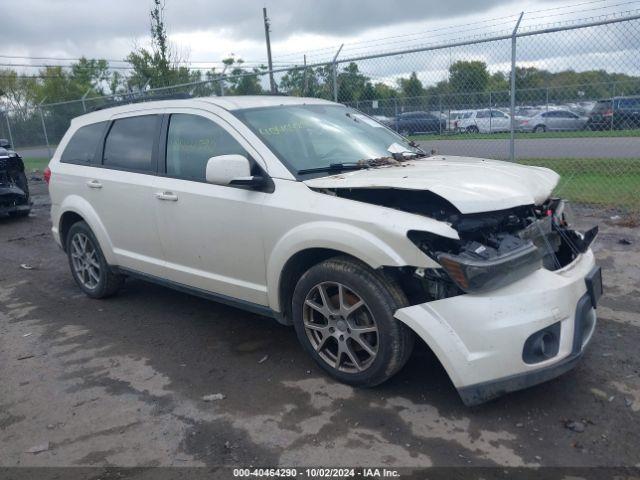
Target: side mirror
{"type": "Point", "coordinates": [224, 169]}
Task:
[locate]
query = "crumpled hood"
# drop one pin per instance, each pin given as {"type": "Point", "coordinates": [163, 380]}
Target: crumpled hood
{"type": "Point", "coordinates": [472, 185]}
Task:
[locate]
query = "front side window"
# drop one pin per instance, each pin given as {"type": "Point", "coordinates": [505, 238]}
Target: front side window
{"type": "Point", "coordinates": [83, 145]}
{"type": "Point", "coordinates": [191, 141]}
{"type": "Point", "coordinates": [129, 144]}
{"type": "Point", "coordinates": [316, 136]}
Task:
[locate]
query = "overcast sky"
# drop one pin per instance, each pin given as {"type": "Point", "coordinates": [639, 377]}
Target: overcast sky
{"type": "Point", "coordinates": [209, 30]}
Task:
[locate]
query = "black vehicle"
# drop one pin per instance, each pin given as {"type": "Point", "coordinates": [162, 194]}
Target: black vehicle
{"type": "Point", "coordinates": [409, 123]}
{"type": "Point", "coordinates": [619, 113]}
{"type": "Point", "coordinates": [14, 188]}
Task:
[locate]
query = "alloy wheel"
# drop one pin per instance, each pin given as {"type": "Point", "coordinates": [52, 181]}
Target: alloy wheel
{"type": "Point", "coordinates": [340, 327]}
{"type": "Point", "coordinates": [84, 258]}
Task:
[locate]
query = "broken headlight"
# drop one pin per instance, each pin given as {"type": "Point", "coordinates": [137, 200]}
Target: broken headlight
{"type": "Point", "coordinates": [476, 267]}
{"type": "Point", "coordinates": [474, 273]}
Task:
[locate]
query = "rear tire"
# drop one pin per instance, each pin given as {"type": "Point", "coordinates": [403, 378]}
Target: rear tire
{"type": "Point", "coordinates": [353, 336]}
{"type": "Point", "coordinates": [539, 129]}
{"type": "Point", "coordinates": [473, 129]}
{"type": "Point", "coordinates": [88, 266]}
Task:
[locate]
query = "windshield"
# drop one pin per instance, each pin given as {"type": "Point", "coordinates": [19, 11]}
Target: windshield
{"type": "Point", "coordinates": [314, 136]}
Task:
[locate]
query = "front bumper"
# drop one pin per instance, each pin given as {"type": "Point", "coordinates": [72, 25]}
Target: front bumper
{"type": "Point", "coordinates": [13, 199]}
{"type": "Point", "coordinates": [479, 338]}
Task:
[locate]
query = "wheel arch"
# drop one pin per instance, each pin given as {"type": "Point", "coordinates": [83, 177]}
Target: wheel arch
{"type": "Point", "coordinates": [75, 209]}
{"type": "Point", "coordinates": [310, 244]}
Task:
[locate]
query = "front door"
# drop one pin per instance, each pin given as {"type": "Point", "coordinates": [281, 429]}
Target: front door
{"type": "Point", "coordinates": [210, 234]}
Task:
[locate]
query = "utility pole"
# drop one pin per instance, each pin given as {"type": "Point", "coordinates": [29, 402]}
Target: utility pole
{"type": "Point", "coordinates": [272, 83]}
{"type": "Point", "coordinates": [512, 106]}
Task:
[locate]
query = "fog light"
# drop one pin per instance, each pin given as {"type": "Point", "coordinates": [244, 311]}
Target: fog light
{"type": "Point", "coordinates": [542, 345]}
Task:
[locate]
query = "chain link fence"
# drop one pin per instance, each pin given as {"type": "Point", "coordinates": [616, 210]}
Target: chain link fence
{"type": "Point", "coordinates": [566, 97]}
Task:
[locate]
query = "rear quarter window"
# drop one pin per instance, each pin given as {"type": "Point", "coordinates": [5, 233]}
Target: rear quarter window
{"type": "Point", "coordinates": [83, 145]}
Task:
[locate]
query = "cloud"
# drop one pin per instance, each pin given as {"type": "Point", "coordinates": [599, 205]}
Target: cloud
{"type": "Point", "coordinates": [100, 27]}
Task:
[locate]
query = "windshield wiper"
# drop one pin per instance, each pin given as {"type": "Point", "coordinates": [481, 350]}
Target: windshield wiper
{"type": "Point", "coordinates": [337, 167]}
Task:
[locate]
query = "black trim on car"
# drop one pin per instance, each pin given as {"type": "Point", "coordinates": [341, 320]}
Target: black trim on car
{"type": "Point", "coordinates": [483, 392]}
{"type": "Point", "coordinates": [198, 292]}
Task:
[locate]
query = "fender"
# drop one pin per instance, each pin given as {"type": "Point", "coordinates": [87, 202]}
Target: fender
{"type": "Point", "coordinates": [342, 237]}
{"type": "Point", "coordinates": [77, 204]}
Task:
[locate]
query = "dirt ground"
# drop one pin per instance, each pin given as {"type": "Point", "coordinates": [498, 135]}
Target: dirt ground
{"type": "Point", "coordinates": [120, 381]}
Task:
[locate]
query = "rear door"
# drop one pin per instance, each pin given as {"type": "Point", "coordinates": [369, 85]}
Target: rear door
{"type": "Point", "coordinates": [499, 121]}
{"type": "Point", "coordinates": [483, 121]}
{"type": "Point", "coordinates": [121, 191]}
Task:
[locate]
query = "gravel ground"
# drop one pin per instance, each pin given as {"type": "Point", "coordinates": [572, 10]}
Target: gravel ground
{"type": "Point", "coordinates": [121, 381]}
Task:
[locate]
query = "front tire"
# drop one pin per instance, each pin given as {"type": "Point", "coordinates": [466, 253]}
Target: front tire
{"type": "Point", "coordinates": [343, 316]}
{"type": "Point", "coordinates": [88, 266]}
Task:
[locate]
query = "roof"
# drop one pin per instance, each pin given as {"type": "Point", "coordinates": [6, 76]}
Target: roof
{"type": "Point", "coordinates": [241, 102]}
{"type": "Point", "coordinates": [231, 103]}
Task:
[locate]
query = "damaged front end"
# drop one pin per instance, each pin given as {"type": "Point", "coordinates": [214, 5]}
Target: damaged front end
{"type": "Point", "coordinates": [499, 248]}
{"type": "Point", "coordinates": [14, 188]}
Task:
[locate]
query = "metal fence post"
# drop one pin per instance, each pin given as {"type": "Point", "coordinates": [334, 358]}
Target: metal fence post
{"type": "Point", "coordinates": [490, 114]}
{"type": "Point", "coordinates": [512, 109]}
{"type": "Point", "coordinates": [613, 103]}
{"type": "Point", "coordinates": [44, 129]}
{"type": "Point", "coordinates": [335, 74]}
{"type": "Point", "coordinates": [84, 107]}
{"type": "Point", "coordinates": [304, 77]}
{"type": "Point", "coordinates": [6, 117]}
{"type": "Point", "coordinates": [440, 118]}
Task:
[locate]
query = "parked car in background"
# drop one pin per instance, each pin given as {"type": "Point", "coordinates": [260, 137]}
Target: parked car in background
{"type": "Point", "coordinates": [484, 121]}
{"type": "Point", "coordinates": [543, 121]}
{"type": "Point", "coordinates": [388, 121]}
{"type": "Point", "coordinates": [619, 113]}
{"type": "Point", "coordinates": [454, 118]}
{"type": "Point", "coordinates": [14, 187]}
{"type": "Point", "coordinates": [409, 123]}
{"type": "Point", "coordinates": [314, 214]}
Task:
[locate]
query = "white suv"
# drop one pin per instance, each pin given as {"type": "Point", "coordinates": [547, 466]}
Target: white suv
{"type": "Point", "coordinates": [317, 215]}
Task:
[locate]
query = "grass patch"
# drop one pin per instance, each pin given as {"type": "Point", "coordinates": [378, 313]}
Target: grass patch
{"type": "Point", "coordinates": [601, 181]}
{"type": "Point", "coordinates": [35, 163]}
{"type": "Point", "coordinates": [530, 135]}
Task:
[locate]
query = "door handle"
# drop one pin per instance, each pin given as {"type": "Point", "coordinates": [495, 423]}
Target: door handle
{"type": "Point", "coordinates": [168, 196]}
{"type": "Point", "coordinates": [94, 184]}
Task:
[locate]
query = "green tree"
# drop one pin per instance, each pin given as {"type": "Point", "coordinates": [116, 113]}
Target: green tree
{"type": "Point", "coordinates": [411, 87]}
{"type": "Point", "coordinates": [160, 66]}
{"type": "Point", "coordinates": [469, 76]}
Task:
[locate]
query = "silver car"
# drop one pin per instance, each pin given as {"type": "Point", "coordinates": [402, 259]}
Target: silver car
{"type": "Point", "coordinates": [543, 121]}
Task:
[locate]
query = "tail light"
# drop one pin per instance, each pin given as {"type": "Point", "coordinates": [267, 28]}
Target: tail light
{"type": "Point", "coordinates": [608, 113]}
{"type": "Point", "coordinates": [47, 175]}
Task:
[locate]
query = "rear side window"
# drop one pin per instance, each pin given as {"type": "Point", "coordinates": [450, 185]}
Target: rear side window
{"type": "Point", "coordinates": [130, 142]}
{"type": "Point", "coordinates": [83, 145]}
{"type": "Point", "coordinates": [629, 103]}
{"type": "Point", "coordinates": [191, 141]}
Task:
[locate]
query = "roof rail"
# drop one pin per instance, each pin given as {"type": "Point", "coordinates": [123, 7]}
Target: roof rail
{"type": "Point", "coordinates": [130, 98]}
